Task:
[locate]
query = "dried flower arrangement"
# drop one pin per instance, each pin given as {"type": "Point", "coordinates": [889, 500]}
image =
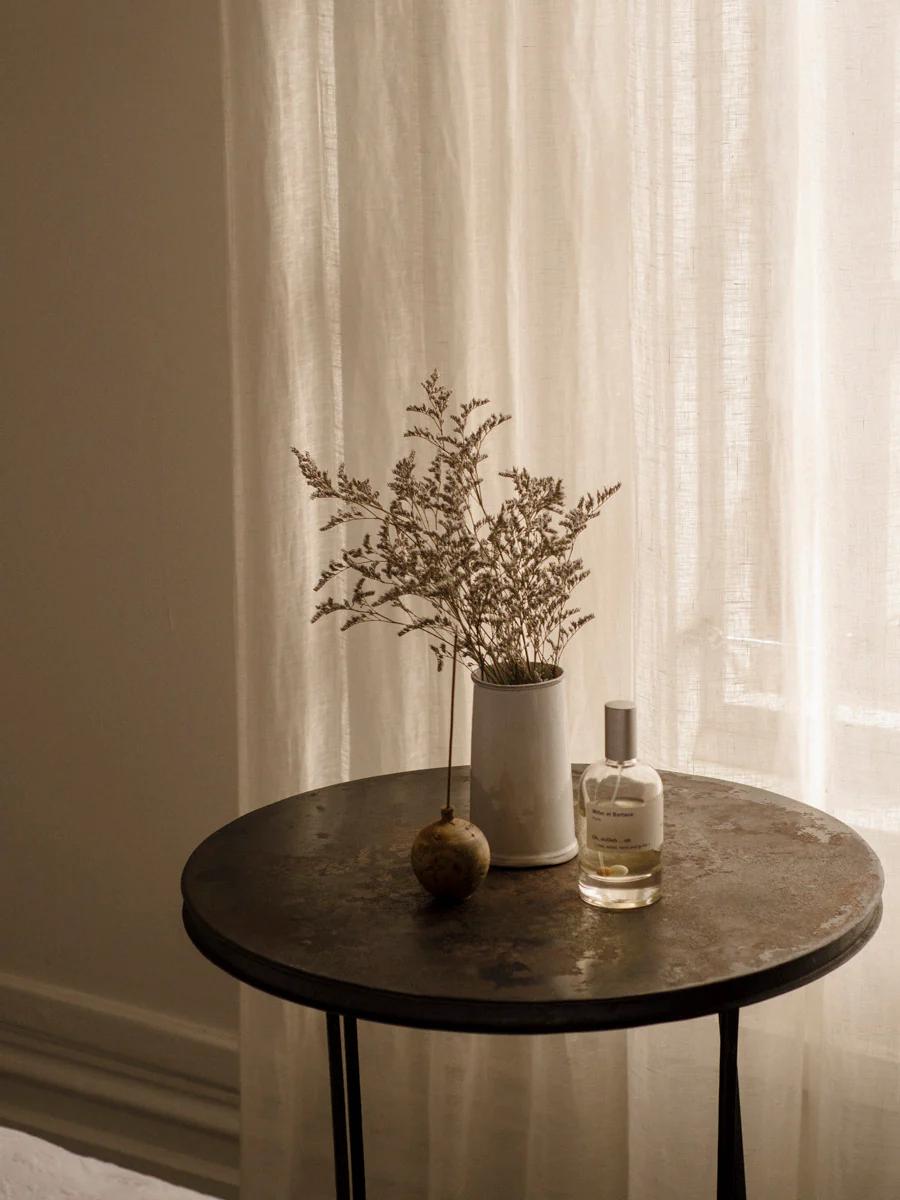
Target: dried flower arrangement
{"type": "Point", "coordinates": [499, 582]}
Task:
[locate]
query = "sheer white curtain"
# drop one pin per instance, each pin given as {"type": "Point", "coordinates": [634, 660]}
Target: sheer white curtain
{"type": "Point", "coordinates": [664, 236]}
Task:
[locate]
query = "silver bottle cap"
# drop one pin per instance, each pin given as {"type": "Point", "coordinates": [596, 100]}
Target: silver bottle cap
{"type": "Point", "coordinates": [621, 731]}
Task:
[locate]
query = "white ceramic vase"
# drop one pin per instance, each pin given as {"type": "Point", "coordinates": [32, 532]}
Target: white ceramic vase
{"type": "Point", "coordinates": [521, 789]}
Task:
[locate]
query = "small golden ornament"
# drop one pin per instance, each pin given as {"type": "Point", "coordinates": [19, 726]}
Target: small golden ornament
{"type": "Point", "coordinates": [450, 857]}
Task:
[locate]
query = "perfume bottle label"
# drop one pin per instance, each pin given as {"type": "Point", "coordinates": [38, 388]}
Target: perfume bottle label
{"type": "Point", "coordinates": [624, 824]}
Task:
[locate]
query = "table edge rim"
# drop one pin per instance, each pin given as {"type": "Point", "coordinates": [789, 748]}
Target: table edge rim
{"type": "Point", "coordinates": [459, 1014]}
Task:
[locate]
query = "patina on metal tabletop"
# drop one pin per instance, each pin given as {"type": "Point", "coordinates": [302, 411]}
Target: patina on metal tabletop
{"type": "Point", "coordinates": [313, 899]}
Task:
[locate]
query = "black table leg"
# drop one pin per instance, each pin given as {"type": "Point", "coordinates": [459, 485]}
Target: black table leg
{"type": "Point", "coordinates": [338, 1107]}
{"type": "Point", "coordinates": [346, 1108]}
{"type": "Point", "coordinates": [731, 1183]}
{"type": "Point", "coordinates": [354, 1110]}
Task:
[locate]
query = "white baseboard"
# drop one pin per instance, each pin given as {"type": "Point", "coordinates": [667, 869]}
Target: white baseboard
{"type": "Point", "coordinates": [133, 1086]}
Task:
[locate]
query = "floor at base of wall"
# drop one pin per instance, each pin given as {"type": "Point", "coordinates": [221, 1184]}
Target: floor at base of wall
{"type": "Point", "coordinates": [33, 1169]}
{"type": "Point", "coordinates": [139, 1089]}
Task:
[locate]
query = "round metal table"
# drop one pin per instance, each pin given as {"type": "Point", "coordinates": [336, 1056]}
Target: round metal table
{"type": "Point", "coordinates": [312, 899]}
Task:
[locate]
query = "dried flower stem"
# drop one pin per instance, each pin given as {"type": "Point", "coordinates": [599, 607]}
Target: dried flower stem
{"type": "Point", "coordinates": [447, 810]}
{"type": "Point", "coordinates": [497, 586]}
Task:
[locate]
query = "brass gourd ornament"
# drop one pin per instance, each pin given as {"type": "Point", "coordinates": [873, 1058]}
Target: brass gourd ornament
{"type": "Point", "coordinates": [451, 856]}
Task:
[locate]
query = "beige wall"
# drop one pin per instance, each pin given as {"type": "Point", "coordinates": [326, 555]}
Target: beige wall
{"type": "Point", "coordinates": [118, 726]}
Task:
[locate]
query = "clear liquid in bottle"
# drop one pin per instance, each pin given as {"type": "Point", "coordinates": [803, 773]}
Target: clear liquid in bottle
{"type": "Point", "coordinates": [620, 822]}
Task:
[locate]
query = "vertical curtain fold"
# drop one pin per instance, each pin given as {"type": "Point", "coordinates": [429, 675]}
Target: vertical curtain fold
{"type": "Point", "coordinates": [664, 236]}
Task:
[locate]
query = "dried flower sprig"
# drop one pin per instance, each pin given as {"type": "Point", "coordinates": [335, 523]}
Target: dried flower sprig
{"type": "Point", "coordinates": [500, 583]}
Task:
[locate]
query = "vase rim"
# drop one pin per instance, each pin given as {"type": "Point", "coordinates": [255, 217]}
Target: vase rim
{"type": "Point", "coordinates": [517, 687]}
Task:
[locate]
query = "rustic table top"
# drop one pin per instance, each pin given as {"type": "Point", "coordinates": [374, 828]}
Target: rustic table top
{"type": "Point", "coordinates": [312, 899]}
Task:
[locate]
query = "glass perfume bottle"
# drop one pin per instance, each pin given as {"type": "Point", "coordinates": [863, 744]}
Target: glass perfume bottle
{"type": "Point", "coordinates": [620, 820]}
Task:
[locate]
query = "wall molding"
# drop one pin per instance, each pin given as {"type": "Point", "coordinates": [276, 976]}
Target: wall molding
{"type": "Point", "coordinates": [130, 1085]}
